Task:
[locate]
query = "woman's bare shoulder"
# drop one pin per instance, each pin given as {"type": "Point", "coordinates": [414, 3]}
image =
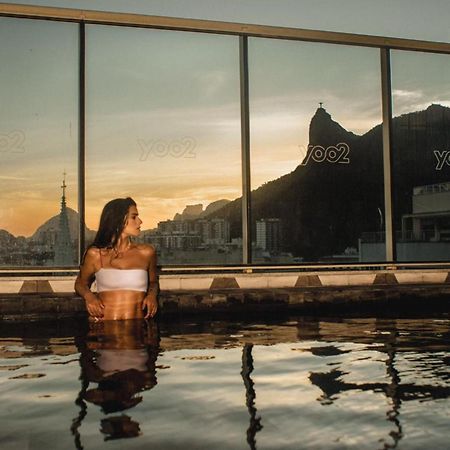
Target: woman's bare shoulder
{"type": "Point", "coordinates": [148, 249]}
{"type": "Point", "coordinates": [92, 255]}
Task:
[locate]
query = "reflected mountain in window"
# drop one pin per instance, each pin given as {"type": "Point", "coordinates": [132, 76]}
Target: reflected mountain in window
{"type": "Point", "coordinates": [329, 209]}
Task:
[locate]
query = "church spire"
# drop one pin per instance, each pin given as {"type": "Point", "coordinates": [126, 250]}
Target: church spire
{"type": "Point", "coordinates": [63, 187]}
{"type": "Point", "coordinates": [63, 247]}
{"type": "Point", "coordinates": [63, 197]}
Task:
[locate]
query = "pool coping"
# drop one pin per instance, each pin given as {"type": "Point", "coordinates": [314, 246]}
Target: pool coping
{"type": "Point", "coordinates": [45, 297]}
{"type": "Point", "coordinates": [242, 280]}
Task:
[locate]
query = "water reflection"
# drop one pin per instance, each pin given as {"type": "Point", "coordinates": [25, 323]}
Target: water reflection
{"type": "Point", "coordinates": [313, 383]}
{"type": "Point", "coordinates": [250, 395]}
{"type": "Point", "coordinates": [118, 361]}
{"type": "Point", "coordinates": [394, 339]}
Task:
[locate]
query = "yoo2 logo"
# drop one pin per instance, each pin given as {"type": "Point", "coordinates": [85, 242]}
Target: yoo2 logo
{"type": "Point", "coordinates": [12, 142]}
{"type": "Point", "coordinates": [160, 148]}
{"type": "Point", "coordinates": [442, 158]}
{"type": "Point", "coordinates": [333, 154]}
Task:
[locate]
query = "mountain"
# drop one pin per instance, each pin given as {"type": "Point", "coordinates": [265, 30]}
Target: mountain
{"type": "Point", "coordinates": [336, 193]}
{"type": "Point", "coordinates": [326, 204]}
{"type": "Point", "coordinates": [419, 135]}
{"type": "Point", "coordinates": [213, 207]}
{"type": "Point", "coordinates": [6, 237]}
{"type": "Point", "coordinates": [192, 212]}
{"type": "Point", "coordinates": [52, 226]}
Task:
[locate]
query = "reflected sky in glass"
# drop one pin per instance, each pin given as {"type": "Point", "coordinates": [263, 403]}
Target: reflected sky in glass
{"type": "Point", "coordinates": [418, 80]}
{"type": "Point", "coordinates": [288, 81]}
{"type": "Point", "coordinates": [163, 118]}
{"type": "Point", "coordinates": [38, 120]}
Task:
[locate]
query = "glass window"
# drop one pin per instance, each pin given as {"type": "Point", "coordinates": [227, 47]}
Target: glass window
{"type": "Point", "coordinates": [421, 155]}
{"type": "Point", "coordinates": [316, 153]}
{"type": "Point", "coordinates": [163, 126]}
{"type": "Point", "coordinates": [38, 143]}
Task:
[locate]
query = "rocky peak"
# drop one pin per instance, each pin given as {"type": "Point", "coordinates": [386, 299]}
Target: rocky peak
{"type": "Point", "coordinates": [323, 130]}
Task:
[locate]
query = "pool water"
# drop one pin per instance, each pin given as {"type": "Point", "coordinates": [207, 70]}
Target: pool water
{"type": "Point", "coordinates": [294, 383]}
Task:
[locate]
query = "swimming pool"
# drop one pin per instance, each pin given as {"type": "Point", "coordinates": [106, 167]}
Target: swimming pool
{"type": "Point", "coordinates": [294, 383]}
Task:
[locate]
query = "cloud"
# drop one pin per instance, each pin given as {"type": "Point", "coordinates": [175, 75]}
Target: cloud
{"type": "Point", "coordinates": [12, 178]}
{"type": "Point", "coordinates": [406, 101]}
{"type": "Point", "coordinates": [212, 82]}
{"type": "Point", "coordinates": [404, 94]}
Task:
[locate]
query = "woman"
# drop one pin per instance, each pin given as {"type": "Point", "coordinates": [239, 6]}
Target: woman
{"type": "Point", "coordinates": [125, 272]}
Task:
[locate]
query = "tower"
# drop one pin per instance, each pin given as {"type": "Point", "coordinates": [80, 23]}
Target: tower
{"type": "Point", "coordinates": [63, 245]}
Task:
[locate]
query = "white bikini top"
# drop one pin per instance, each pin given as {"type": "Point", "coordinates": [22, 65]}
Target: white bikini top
{"type": "Point", "coordinates": [121, 280]}
{"type": "Point", "coordinates": [110, 279]}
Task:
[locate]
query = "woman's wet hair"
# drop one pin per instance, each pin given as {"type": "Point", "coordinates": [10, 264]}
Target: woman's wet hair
{"type": "Point", "coordinates": [112, 222]}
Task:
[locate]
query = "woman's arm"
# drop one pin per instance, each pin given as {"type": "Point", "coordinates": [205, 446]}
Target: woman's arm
{"type": "Point", "coordinates": [83, 283]}
{"type": "Point", "coordinates": [150, 301]}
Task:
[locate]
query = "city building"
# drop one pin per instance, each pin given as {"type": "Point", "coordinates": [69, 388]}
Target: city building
{"type": "Point", "coordinates": [425, 233]}
{"type": "Point", "coordinates": [189, 234]}
{"type": "Point", "coordinates": [430, 217]}
{"type": "Point", "coordinates": [269, 235]}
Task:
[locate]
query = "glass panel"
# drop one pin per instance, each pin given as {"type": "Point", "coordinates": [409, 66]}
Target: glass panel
{"type": "Point", "coordinates": [38, 143]}
{"type": "Point", "coordinates": [421, 155]}
{"type": "Point", "coordinates": [316, 153]}
{"type": "Point", "coordinates": [163, 126]}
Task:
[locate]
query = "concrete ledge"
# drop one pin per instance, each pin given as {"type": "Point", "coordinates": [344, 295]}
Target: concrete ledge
{"type": "Point", "coordinates": [309, 300]}
{"type": "Point", "coordinates": [53, 297]}
{"type": "Point", "coordinates": [265, 280]}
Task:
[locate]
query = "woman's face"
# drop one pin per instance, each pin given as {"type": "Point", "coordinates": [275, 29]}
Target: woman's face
{"type": "Point", "coordinates": [133, 222]}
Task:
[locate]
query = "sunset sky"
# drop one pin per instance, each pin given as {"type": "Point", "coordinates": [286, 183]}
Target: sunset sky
{"type": "Point", "coordinates": [163, 114]}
